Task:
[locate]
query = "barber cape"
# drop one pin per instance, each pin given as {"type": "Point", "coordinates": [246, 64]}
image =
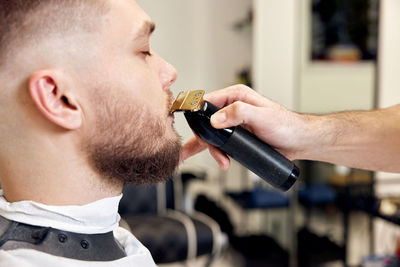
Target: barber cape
{"type": "Point", "coordinates": [99, 217]}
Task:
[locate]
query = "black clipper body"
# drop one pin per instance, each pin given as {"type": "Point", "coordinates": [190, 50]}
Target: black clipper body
{"type": "Point", "coordinates": [244, 147]}
{"type": "Point", "coordinates": [237, 142]}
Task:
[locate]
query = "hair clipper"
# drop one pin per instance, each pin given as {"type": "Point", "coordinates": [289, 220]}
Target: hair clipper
{"type": "Point", "coordinates": [237, 142]}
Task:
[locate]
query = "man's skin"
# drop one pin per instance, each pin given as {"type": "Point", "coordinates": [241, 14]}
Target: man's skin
{"type": "Point", "coordinates": [66, 96]}
{"type": "Point", "coordinates": [360, 139]}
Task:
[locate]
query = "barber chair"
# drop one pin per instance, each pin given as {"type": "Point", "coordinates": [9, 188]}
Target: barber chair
{"type": "Point", "coordinates": [170, 235]}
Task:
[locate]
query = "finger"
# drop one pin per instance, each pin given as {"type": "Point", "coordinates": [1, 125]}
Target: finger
{"type": "Point", "coordinates": [229, 95]}
{"type": "Point", "coordinates": [238, 113]}
{"type": "Point", "coordinates": [196, 145]}
{"type": "Point", "coordinates": [222, 159]}
{"type": "Point", "coordinates": [191, 148]}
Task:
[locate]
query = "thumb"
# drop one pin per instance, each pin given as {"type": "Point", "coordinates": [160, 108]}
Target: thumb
{"type": "Point", "coordinates": [235, 114]}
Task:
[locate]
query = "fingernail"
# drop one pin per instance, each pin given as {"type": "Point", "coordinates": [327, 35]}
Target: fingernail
{"type": "Point", "coordinates": [218, 118]}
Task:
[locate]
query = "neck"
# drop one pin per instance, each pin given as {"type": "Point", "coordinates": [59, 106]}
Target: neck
{"type": "Point", "coordinates": [54, 178]}
{"type": "Point", "coordinates": [57, 193]}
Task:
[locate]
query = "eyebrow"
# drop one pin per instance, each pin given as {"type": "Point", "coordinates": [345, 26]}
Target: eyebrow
{"type": "Point", "coordinates": [146, 29]}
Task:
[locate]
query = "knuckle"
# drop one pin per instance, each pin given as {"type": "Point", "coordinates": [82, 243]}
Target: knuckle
{"type": "Point", "coordinates": [240, 92]}
{"type": "Point", "coordinates": [244, 88]}
{"type": "Point", "coordinates": [240, 88]}
{"type": "Point", "coordinates": [247, 93]}
{"type": "Point", "coordinates": [237, 110]}
{"type": "Point", "coordinates": [235, 90]}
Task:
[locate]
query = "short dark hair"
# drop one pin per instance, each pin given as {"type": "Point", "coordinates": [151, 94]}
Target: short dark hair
{"type": "Point", "coordinates": [22, 21]}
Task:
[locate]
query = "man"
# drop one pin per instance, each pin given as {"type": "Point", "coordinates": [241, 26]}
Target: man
{"type": "Point", "coordinates": [360, 139]}
{"type": "Point", "coordinates": [84, 109]}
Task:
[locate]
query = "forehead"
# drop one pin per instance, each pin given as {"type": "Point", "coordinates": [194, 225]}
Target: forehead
{"type": "Point", "coordinates": [126, 17]}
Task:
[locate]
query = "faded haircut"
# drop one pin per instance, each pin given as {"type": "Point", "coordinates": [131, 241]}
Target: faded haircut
{"type": "Point", "coordinates": [26, 22]}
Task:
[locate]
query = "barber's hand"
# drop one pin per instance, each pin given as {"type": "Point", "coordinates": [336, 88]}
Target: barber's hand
{"type": "Point", "coordinates": [272, 123]}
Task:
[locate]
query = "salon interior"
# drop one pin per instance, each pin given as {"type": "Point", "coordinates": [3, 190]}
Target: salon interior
{"type": "Point", "coordinates": [311, 56]}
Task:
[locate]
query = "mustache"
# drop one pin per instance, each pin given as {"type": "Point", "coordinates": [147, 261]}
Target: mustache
{"type": "Point", "coordinates": [170, 101]}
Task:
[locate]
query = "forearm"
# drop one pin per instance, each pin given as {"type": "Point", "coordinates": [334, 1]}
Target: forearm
{"type": "Point", "coordinates": [359, 139]}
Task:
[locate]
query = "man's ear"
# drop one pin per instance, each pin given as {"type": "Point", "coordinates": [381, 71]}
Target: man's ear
{"type": "Point", "coordinates": [51, 95]}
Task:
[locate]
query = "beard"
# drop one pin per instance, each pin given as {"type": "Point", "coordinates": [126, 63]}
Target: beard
{"type": "Point", "coordinates": [130, 144]}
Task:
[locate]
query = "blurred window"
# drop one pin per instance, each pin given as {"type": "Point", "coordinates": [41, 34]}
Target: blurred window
{"type": "Point", "coordinates": [344, 30]}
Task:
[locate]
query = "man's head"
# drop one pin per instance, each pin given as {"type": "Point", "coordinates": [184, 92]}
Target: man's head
{"type": "Point", "coordinates": [78, 76]}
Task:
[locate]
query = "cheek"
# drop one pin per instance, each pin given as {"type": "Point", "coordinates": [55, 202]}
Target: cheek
{"type": "Point", "coordinates": [136, 82]}
{"type": "Point", "coordinates": [142, 82]}
{"type": "Point", "coordinates": [149, 94]}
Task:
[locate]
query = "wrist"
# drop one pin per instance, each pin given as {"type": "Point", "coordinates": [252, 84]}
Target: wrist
{"type": "Point", "coordinates": [320, 135]}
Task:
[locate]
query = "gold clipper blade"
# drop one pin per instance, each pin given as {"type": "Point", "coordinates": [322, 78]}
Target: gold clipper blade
{"type": "Point", "coordinates": [188, 101]}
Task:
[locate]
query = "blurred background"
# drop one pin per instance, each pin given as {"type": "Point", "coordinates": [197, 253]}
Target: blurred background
{"type": "Point", "coordinates": [311, 56]}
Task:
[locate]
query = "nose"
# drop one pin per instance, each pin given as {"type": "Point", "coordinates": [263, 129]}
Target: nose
{"type": "Point", "coordinates": [168, 74]}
